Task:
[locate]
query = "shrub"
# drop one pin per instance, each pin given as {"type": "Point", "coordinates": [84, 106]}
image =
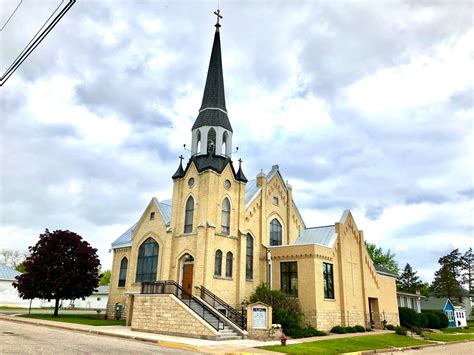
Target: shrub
{"type": "Point", "coordinates": [286, 309]}
{"type": "Point", "coordinates": [422, 320]}
{"type": "Point", "coordinates": [408, 317]}
{"type": "Point", "coordinates": [350, 330]}
{"type": "Point", "coordinates": [304, 332]}
{"type": "Point", "coordinates": [443, 319]}
{"type": "Point", "coordinates": [359, 329]}
{"type": "Point", "coordinates": [433, 320]}
{"type": "Point", "coordinates": [338, 330]}
{"type": "Point", "coordinates": [417, 330]}
{"type": "Point", "coordinates": [400, 331]}
{"type": "Point", "coordinates": [390, 327]}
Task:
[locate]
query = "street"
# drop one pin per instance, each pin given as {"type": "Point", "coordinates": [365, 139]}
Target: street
{"type": "Point", "coordinates": [21, 338]}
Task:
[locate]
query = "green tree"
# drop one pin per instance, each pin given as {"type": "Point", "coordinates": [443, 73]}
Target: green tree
{"type": "Point", "coordinates": [381, 257]}
{"type": "Point", "coordinates": [105, 279]}
{"type": "Point", "coordinates": [408, 281]}
{"type": "Point", "coordinates": [425, 289]}
{"type": "Point", "coordinates": [61, 266]}
{"type": "Point", "coordinates": [467, 273]}
{"type": "Point", "coordinates": [446, 282]}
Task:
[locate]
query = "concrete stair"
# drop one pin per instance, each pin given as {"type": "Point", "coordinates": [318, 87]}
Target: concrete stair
{"type": "Point", "coordinates": [228, 334]}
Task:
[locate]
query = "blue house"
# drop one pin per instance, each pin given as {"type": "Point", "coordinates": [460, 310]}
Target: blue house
{"type": "Point", "coordinates": [456, 315]}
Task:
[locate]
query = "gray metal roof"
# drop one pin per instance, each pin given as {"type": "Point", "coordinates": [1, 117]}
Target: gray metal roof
{"type": "Point", "coordinates": [8, 273]}
{"type": "Point", "coordinates": [384, 271]}
{"type": "Point", "coordinates": [325, 235]}
{"type": "Point", "coordinates": [251, 189]}
{"type": "Point", "coordinates": [102, 290]}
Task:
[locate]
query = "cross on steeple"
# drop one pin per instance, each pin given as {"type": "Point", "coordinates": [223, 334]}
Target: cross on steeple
{"type": "Point", "coordinates": [219, 16]}
{"type": "Point", "coordinates": [181, 158]}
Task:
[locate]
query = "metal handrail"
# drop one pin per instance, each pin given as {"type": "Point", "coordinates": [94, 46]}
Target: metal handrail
{"type": "Point", "coordinates": [236, 317]}
{"type": "Point", "coordinates": [172, 287]}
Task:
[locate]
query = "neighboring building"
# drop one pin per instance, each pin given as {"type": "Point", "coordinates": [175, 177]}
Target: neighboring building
{"type": "Point", "coordinates": [222, 234]}
{"type": "Point", "coordinates": [456, 315]}
{"type": "Point", "coordinates": [410, 300]}
{"type": "Point", "coordinates": [467, 302]}
{"type": "Point", "coordinates": [98, 300]}
{"type": "Point", "coordinates": [8, 294]}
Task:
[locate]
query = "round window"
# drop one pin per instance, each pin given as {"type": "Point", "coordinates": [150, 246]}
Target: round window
{"type": "Point", "coordinates": [191, 182]}
{"type": "Point", "coordinates": [227, 184]}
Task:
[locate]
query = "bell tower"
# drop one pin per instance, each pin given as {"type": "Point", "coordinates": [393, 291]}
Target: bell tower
{"type": "Point", "coordinates": [212, 132]}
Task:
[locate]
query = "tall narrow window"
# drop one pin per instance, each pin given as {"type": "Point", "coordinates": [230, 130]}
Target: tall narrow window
{"type": "Point", "coordinates": [123, 272]}
{"type": "Point", "coordinates": [228, 264]}
{"type": "Point", "coordinates": [188, 218]}
{"type": "Point", "coordinates": [225, 218]}
{"type": "Point", "coordinates": [289, 278]}
{"type": "Point", "coordinates": [249, 258]}
{"type": "Point", "coordinates": [218, 263]}
{"type": "Point", "coordinates": [147, 261]}
{"type": "Point", "coordinates": [275, 232]}
{"type": "Point", "coordinates": [328, 281]}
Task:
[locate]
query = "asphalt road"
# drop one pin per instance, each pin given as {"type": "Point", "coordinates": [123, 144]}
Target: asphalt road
{"type": "Point", "coordinates": [21, 338]}
{"type": "Point", "coordinates": [465, 348]}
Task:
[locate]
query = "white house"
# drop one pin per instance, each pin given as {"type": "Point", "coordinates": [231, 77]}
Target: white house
{"type": "Point", "coordinates": [410, 300]}
{"type": "Point", "coordinates": [460, 317]}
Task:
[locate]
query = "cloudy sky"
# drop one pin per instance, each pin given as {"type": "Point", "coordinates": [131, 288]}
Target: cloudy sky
{"type": "Point", "coordinates": [366, 105]}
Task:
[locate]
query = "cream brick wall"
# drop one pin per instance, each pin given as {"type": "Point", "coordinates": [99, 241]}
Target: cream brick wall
{"type": "Point", "coordinates": [166, 314]}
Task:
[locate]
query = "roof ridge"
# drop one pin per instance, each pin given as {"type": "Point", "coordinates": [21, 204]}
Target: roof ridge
{"type": "Point", "coordinates": [329, 225]}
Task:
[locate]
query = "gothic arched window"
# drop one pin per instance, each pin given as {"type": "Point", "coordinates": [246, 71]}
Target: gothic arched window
{"type": "Point", "coordinates": [225, 216]}
{"type": "Point", "coordinates": [218, 263]}
{"type": "Point", "coordinates": [123, 272]}
{"type": "Point", "coordinates": [249, 258]}
{"type": "Point", "coordinates": [211, 141]}
{"type": "Point", "coordinates": [228, 264]}
{"type": "Point", "coordinates": [147, 261]}
{"type": "Point", "coordinates": [275, 232]}
{"type": "Point", "coordinates": [189, 214]}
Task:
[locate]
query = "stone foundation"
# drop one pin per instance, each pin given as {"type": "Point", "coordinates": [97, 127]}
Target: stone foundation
{"type": "Point", "coordinates": [166, 314]}
{"type": "Point", "coordinates": [325, 320]}
{"type": "Point", "coordinates": [264, 334]}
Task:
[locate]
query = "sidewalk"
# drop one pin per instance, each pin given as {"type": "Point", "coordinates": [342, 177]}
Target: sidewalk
{"type": "Point", "coordinates": [208, 346]}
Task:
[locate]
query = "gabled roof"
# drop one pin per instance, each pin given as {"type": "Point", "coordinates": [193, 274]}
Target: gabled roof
{"type": "Point", "coordinates": [8, 273]}
{"type": "Point", "coordinates": [325, 236]}
{"type": "Point", "coordinates": [434, 303]}
{"type": "Point", "coordinates": [125, 240]}
{"type": "Point", "coordinates": [382, 270]}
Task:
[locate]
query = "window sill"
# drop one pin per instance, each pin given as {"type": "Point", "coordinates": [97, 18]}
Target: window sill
{"type": "Point", "coordinates": [250, 280]}
{"type": "Point", "coordinates": [225, 235]}
{"type": "Point", "coordinates": [223, 278]}
{"type": "Point", "coordinates": [330, 299]}
{"type": "Point", "coordinates": [186, 234]}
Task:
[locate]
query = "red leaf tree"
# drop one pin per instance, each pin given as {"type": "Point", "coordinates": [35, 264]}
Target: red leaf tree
{"type": "Point", "coordinates": [61, 266]}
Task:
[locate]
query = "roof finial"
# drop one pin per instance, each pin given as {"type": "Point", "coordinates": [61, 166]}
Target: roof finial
{"type": "Point", "coordinates": [218, 14]}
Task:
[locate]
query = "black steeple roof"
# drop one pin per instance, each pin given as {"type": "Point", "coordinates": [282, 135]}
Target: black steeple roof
{"type": "Point", "coordinates": [213, 111]}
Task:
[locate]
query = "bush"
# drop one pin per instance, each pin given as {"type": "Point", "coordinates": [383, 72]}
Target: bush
{"type": "Point", "coordinates": [338, 330]}
{"type": "Point", "coordinates": [286, 309]}
{"type": "Point", "coordinates": [390, 327]}
{"type": "Point", "coordinates": [359, 329]}
{"type": "Point", "coordinates": [433, 320]}
{"type": "Point", "coordinates": [443, 319]}
{"type": "Point", "coordinates": [304, 332]}
{"type": "Point", "coordinates": [400, 331]}
{"type": "Point", "coordinates": [350, 330]}
{"type": "Point", "coordinates": [422, 320]}
{"type": "Point", "coordinates": [417, 330]}
{"type": "Point", "coordinates": [408, 317]}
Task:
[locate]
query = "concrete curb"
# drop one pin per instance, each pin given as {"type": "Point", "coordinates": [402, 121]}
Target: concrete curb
{"type": "Point", "coordinates": [53, 324]}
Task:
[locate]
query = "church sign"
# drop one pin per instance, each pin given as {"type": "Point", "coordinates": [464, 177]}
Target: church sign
{"type": "Point", "coordinates": [259, 317]}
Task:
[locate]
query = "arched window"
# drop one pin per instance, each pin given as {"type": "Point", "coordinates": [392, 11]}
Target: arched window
{"type": "Point", "coordinates": [198, 144]}
{"type": "Point", "coordinates": [123, 272]}
{"type": "Point", "coordinates": [218, 263]}
{"type": "Point", "coordinates": [225, 217]}
{"type": "Point", "coordinates": [211, 141]}
{"type": "Point", "coordinates": [147, 261]}
{"type": "Point", "coordinates": [275, 232]}
{"type": "Point", "coordinates": [249, 258]}
{"type": "Point", "coordinates": [228, 264]}
{"type": "Point", "coordinates": [189, 214]}
{"type": "Point", "coordinates": [224, 143]}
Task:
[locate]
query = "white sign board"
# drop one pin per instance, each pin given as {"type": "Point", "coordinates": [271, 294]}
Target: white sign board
{"type": "Point", "coordinates": [259, 317]}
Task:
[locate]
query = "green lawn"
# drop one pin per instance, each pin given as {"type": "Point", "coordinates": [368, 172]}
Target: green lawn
{"type": "Point", "coordinates": [88, 319]}
{"type": "Point", "coordinates": [345, 345]}
{"type": "Point", "coordinates": [448, 337]}
{"type": "Point", "coordinates": [457, 330]}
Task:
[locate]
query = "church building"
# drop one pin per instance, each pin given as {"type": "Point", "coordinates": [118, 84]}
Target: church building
{"type": "Point", "coordinates": [189, 262]}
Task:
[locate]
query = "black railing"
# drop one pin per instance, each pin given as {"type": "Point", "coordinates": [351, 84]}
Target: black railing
{"type": "Point", "coordinates": [235, 316]}
{"type": "Point", "coordinates": [194, 303]}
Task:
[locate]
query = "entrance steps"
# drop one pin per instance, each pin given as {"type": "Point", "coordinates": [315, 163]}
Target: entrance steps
{"type": "Point", "coordinates": [228, 334]}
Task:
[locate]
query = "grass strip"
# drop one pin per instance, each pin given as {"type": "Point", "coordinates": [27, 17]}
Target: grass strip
{"type": "Point", "coordinates": [87, 319]}
{"type": "Point", "coordinates": [345, 345]}
{"type": "Point", "coordinates": [448, 337]}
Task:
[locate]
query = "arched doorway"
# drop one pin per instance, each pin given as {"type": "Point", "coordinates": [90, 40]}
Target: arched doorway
{"type": "Point", "coordinates": [186, 268]}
